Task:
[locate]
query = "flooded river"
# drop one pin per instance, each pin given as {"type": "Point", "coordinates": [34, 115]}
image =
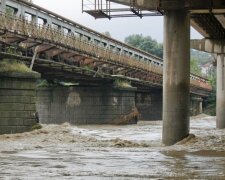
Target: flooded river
{"type": "Point", "coordinates": [113, 152]}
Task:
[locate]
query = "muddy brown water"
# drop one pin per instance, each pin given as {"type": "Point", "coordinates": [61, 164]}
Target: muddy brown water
{"type": "Point", "coordinates": [113, 152]}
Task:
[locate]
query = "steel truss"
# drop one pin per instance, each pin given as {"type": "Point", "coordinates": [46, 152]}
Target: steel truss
{"type": "Point", "coordinates": [107, 9]}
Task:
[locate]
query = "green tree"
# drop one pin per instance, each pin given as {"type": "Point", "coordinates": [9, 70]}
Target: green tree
{"type": "Point", "coordinates": [210, 102]}
{"type": "Point", "coordinates": [194, 66]}
{"type": "Point", "coordinates": [201, 57]}
{"type": "Point", "coordinates": [145, 43]}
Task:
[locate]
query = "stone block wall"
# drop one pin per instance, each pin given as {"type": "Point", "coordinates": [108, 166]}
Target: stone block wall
{"type": "Point", "coordinates": [195, 105]}
{"type": "Point", "coordinates": [86, 105]}
{"type": "Point", "coordinates": [17, 102]}
{"type": "Point", "coordinates": [149, 105]}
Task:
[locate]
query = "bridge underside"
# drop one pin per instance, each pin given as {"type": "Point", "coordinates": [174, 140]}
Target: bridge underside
{"type": "Point", "coordinates": [90, 58]}
{"type": "Point", "coordinates": [84, 63]}
{"type": "Point", "coordinates": [208, 18]}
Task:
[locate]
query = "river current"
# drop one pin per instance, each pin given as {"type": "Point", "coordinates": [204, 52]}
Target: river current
{"type": "Point", "coordinates": [106, 152]}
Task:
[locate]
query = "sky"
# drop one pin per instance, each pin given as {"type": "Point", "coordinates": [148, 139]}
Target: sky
{"type": "Point", "coordinates": [119, 28]}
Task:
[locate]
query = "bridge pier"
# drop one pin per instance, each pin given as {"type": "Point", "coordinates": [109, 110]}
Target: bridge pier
{"type": "Point", "coordinates": [149, 105]}
{"type": "Point", "coordinates": [195, 105]}
{"type": "Point", "coordinates": [220, 96]}
{"type": "Point", "coordinates": [86, 105]}
{"type": "Point", "coordinates": [216, 46]}
{"type": "Point", "coordinates": [176, 82]}
{"type": "Point", "coordinates": [17, 102]}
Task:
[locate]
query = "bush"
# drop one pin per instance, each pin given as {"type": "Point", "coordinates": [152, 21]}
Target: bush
{"type": "Point", "coordinates": [8, 65]}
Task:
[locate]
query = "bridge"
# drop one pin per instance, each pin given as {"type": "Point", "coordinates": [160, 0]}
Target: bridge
{"type": "Point", "coordinates": [208, 19]}
{"type": "Point", "coordinates": [59, 48]}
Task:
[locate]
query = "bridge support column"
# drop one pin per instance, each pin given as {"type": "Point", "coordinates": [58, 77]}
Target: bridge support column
{"type": "Point", "coordinates": [17, 101]}
{"type": "Point", "coordinates": [195, 105]}
{"type": "Point", "coordinates": [87, 105]}
{"type": "Point", "coordinates": [176, 82]}
{"type": "Point", "coordinates": [220, 97]}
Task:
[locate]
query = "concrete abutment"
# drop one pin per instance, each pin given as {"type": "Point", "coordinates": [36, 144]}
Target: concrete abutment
{"type": "Point", "coordinates": [17, 102]}
{"type": "Point", "coordinates": [86, 105]}
{"type": "Point", "coordinates": [149, 105]}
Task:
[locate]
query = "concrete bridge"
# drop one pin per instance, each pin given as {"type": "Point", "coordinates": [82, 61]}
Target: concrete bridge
{"type": "Point", "coordinates": [208, 19]}
{"type": "Point", "coordinates": [59, 48]}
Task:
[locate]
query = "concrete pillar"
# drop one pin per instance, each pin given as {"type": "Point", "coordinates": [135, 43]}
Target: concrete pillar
{"type": "Point", "coordinates": [195, 105]}
{"type": "Point", "coordinates": [176, 82]}
{"type": "Point", "coordinates": [220, 96]}
{"type": "Point", "coordinates": [200, 107]}
{"type": "Point", "coordinates": [2, 6]}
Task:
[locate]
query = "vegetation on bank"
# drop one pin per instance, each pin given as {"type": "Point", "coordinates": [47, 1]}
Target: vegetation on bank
{"type": "Point", "coordinates": [12, 65]}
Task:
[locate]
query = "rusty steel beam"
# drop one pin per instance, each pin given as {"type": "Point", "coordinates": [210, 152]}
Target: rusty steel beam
{"type": "Point", "coordinates": [175, 4]}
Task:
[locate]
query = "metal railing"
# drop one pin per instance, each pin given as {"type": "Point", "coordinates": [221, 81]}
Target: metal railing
{"type": "Point", "coordinates": [22, 27]}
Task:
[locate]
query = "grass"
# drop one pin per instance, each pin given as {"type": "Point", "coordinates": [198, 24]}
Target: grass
{"type": "Point", "coordinates": [8, 65]}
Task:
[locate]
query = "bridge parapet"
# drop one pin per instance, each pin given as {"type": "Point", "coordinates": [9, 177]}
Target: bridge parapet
{"type": "Point", "coordinates": [21, 27]}
{"type": "Point", "coordinates": [27, 34]}
{"type": "Point", "coordinates": [200, 82]}
{"type": "Point", "coordinates": [29, 31]}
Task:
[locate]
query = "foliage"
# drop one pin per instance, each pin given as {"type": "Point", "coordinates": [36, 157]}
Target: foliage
{"type": "Point", "coordinates": [119, 83]}
{"type": "Point", "coordinates": [9, 11]}
{"type": "Point", "coordinates": [194, 67]}
{"type": "Point", "coordinates": [201, 57]}
{"type": "Point", "coordinates": [146, 44]}
{"type": "Point", "coordinates": [8, 65]}
{"type": "Point", "coordinates": [211, 100]}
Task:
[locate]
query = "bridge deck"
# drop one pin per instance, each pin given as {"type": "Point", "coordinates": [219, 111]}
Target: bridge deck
{"type": "Point", "coordinates": [72, 58]}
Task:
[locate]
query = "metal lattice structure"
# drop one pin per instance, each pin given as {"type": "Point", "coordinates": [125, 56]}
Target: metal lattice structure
{"type": "Point", "coordinates": [107, 9]}
{"type": "Point", "coordinates": [59, 54]}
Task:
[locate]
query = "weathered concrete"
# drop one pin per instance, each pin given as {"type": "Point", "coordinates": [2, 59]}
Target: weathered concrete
{"type": "Point", "coordinates": [86, 105]}
{"type": "Point", "coordinates": [17, 102]}
{"type": "Point", "coordinates": [175, 4]}
{"type": "Point", "coordinates": [220, 94]}
{"type": "Point", "coordinates": [149, 105]}
{"type": "Point", "coordinates": [209, 45]}
{"type": "Point", "coordinates": [176, 81]}
{"type": "Point", "coordinates": [195, 105]}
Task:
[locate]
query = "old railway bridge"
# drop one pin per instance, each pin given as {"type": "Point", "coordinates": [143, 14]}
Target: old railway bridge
{"type": "Point", "coordinates": [61, 49]}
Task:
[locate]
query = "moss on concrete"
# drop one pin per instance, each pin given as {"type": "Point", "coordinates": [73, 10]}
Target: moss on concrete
{"type": "Point", "coordinates": [11, 65]}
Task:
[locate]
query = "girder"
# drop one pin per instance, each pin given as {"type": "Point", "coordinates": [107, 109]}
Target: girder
{"type": "Point", "coordinates": [70, 53]}
{"type": "Point", "coordinates": [207, 17]}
